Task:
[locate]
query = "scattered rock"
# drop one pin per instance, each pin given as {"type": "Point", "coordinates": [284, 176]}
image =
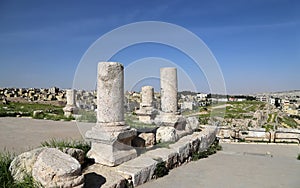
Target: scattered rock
{"type": "Point", "coordinates": [149, 138]}
{"type": "Point", "coordinates": [166, 134]}
{"type": "Point", "coordinates": [37, 112]}
{"type": "Point", "coordinates": [53, 168]}
{"type": "Point", "coordinates": [78, 154]}
{"type": "Point", "coordinates": [192, 123]}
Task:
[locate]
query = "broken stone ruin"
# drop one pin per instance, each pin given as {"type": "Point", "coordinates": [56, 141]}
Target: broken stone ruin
{"type": "Point", "coordinates": [116, 162]}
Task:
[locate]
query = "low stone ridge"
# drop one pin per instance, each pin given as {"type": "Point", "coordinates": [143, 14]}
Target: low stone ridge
{"type": "Point", "coordinates": [170, 156]}
{"type": "Point", "coordinates": [54, 168]}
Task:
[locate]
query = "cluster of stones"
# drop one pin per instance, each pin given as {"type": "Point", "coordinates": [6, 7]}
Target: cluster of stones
{"type": "Point", "coordinates": [86, 99]}
{"type": "Point", "coordinates": [33, 94]}
{"type": "Point", "coordinates": [142, 168]}
{"type": "Point", "coordinates": [227, 134]}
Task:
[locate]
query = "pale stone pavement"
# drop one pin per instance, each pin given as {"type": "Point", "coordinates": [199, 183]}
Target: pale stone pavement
{"type": "Point", "coordinates": [22, 134]}
{"type": "Point", "coordinates": [238, 165]}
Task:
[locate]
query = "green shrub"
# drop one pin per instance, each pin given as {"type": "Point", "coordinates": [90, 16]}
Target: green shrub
{"type": "Point", "coordinates": [298, 156]}
{"type": "Point", "coordinates": [210, 151]}
{"type": "Point", "coordinates": [161, 170]}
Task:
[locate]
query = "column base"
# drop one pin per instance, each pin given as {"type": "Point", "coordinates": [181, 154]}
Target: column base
{"type": "Point", "coordinates": [70, 110]}
{"type": "Point", "coordinates": [146, 114]}
{"type": "Point", "coordinates": [172, 120]}
{"type": "Point", "coordinates": [111, 148]}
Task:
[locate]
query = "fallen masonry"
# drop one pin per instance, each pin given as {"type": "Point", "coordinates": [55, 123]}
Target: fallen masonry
{"type": "Point", "coordinates": [45, 163]}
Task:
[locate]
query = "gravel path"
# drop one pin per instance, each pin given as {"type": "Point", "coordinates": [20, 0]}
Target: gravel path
{"type": "Point", "coordinates": [238, 165]}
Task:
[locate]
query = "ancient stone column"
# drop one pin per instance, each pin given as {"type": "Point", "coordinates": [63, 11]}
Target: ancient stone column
{"type": "Point", "coordinates": [110, 94]}
{"type": "Point", "coordinates": [70, 107]}
{"type": "Point", "coordinates": [147, 96]}
{"type": "Point", "coordinates": [70, 93]}
{"type": "Point", "coordinates": [168, 84]}
{"type": "Point", "coordinates": [146, 113]}
{"type": "Point", "coordinates": [110, 138]}
{"type": "Point", "coordinates": [169, 116]}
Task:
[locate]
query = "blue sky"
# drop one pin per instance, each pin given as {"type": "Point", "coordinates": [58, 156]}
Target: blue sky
{"type": "Point", "coordinates": [256, 42]}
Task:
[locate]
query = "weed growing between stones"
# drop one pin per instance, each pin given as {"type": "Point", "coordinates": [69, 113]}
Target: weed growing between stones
{"type": "Point", "coordinates": [61, 144]}
{"type": "Point", "coordinates": [161, 170]}
{"type": "Point", "coordinates": [210, 151]}
{"type": "Point", "coordinates": [53, 143]}
{"type": "Point", "coordinates": [6, 179]}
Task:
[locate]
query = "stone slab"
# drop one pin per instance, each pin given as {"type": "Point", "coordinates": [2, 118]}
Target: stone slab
{"type": "Point", "coordinates": [141, 169]}
{"type": "Point", "coordinates": [98, 175]}
{"type": "Point", "coordinates": [170, 156]}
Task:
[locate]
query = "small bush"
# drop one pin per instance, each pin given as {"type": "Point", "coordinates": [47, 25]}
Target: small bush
{"type": "Point", "coordinates": [161, 170]}
{"type": "Point", "coordinates": [298, 156]}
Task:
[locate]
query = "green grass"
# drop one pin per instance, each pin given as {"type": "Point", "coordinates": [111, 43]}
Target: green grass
{"type": "Point", "coordinates": [67, 143]}
{"type": "Point", "coordinates": [87, 116]}
{"type": "Point", "coordinates": [268, 127]}
{"type": "Point", "coordinates": [233, 110]}
{"type": "Point", "coordinates": [133, 122]}
{"type": "Point", "coordinates": [161, 170]}
{"type": "Point", "coordinates": [209, 151]}
{"type": "Point", "coordinates": [288, 121]}
{"type": "Point", "coordinates": [51, 112]}
{"type": "Point", "coordinates": [6, 179]}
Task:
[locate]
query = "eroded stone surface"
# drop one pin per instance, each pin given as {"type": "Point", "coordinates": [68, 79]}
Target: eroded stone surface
{"type": "Point", "coordinates": [53, 168]}
{"type": "Point", "coordinates": [22, 165]}
{"type": "Point", "coordinates": [149, 138]}
{"type": "Point", "coordinates": [170, 156]}
{"type": "Point", "coordinates": [168, 84]}
{"type": "Point", "coordinates": [110, 138]}
{"type": "Point", "coordinates": [98, 175]}
{"type": "Point", "coordinates": [141, 169]}
{"type": "Point", "coordinates": [166, 134]}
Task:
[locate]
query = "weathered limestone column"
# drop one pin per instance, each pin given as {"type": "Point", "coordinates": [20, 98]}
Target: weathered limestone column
{"type": "Point", "coordinates": [146, 113]}
{"type": "Point", "coordinates": [168, 84]}
{"type": "Point", "coordinates": [147, 96]}
{"type": "Point", "coordinates": [70, 108]}
{"type": "Point", "coordinates": [110, 94]}
{"type": "Point", "coordinates": [169, 116]}
{"type": "Point", "coordinates": [111, 138]}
